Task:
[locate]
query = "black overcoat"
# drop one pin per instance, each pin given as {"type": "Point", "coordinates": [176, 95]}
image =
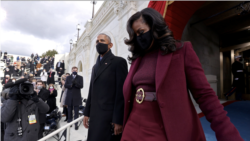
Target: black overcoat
{"type": "Point", "coordinates": [52, 101]}
{"type": "Point", "coordinates": [7, 73]}
{"type": "Point", "coordinates": [105, 103]}
{"type": "Point", "coordinates": [32, 67]}
{"type": "Point", "coordinates": [58, 68]}
{"type": "Point", "coordinates": [44, 95]}
{"type": "Point", "coordinates": [51, 80]}
{"type": "Point", "coordinates": [74, 97]}
{"type": "Point", "coordinates": [11, 69]}
{"type": "Point", "coordinates": [47, 66]}
{"type": "Point", "coordinates": [15, 72]}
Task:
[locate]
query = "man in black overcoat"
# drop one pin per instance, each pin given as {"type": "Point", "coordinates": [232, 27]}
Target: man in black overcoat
{"type": "Point", "coordinates": [42, 93]}
{"type": "Point", "coordinates": [239, 80]}
{"type": "Point", "coordinates": [105, 103]}
{"type": "Point", "coordinates": [74, 84]}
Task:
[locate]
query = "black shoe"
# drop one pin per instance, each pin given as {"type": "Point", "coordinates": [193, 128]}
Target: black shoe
{"type": "Point", "coordinates": [76, 127]}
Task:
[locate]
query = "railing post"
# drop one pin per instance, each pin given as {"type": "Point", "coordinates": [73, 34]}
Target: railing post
{"type": "Point", "coordinates": [68, 134]}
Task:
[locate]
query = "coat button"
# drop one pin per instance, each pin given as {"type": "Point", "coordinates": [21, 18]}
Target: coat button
{"type": "Point", "coordinates": [28, 131]}
{"type": "Point", "coordinates": [12, 134]}
{"type": "Point", "coordinates": [129, 101]}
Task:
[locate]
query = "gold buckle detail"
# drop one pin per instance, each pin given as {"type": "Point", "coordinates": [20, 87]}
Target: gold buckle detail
{"type": "Point", "coordinates": [143, 95]}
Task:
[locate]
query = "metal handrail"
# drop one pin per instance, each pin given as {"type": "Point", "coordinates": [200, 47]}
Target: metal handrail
{"type": "Point", "coordinates": [61, 129]}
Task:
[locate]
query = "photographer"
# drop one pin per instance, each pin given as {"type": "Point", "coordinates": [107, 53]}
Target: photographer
{"type": "Point", "coordinates": [6, 80]}
{"type": "Point", "coordinates": [44, 95]}
{"type": "Point", "coordinates": [21, 114]}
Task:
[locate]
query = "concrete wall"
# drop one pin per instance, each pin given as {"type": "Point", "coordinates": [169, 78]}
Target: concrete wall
{"type": "Point", "coordinates": [206, 45]}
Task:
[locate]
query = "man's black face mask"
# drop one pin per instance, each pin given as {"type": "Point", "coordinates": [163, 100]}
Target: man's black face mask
{"type": "Point", "coordinates": [144, 40]}
{"type": "Point", "coordinates": [102, 48]}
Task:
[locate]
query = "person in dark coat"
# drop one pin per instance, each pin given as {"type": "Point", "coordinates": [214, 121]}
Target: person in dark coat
{"type": "Point", "coordinates": [7, 72]}
{"type": "Point", "coordinates": [11, 68]}
{"type": "Point", "coordinates": [74, 84]}
{"type": "Point", "coordinates": [52, 62]}
{"type": "Point", "coordinates": [32, 67]}
{"type": "Point", "coordinates": [21, 72]}
{"type": "Point", "coordinates": [15, 71]}
{"type": "Point", "coordinates": [47, 66]}
{"type": "Point", "coordinates": [60, 73]}
{"type": "Point", "coordinates": [239, 80]}
{"type": "Point", "coordinates": [32, 56]}
{"type": "Point", "coordinates": [6, 80]}
{"type": "Point", "coordinates": [52, 98]}
{"type": "Point", "coordinates": [28, 106]}
{"type": "Point", "coordinates": [8, 61]}
{"type": "Point", "coordinates": [63, 65]}
{"type": "Point", "coordinates": [51, 78]}
{"type": "Point", "coordinates": [5, 55]}
{"type": "Point", "coordinates": [43, 93]}
{"type": "Point", "coordinates": [58, 66]}
{"type": "Point", "coordinates": [105, 98]}
{"type": "Point", "coordinates": [23, 66]}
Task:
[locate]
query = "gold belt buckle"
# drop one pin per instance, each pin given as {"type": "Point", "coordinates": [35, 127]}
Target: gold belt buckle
{"type": "Point", "coordinates": [143, 95]}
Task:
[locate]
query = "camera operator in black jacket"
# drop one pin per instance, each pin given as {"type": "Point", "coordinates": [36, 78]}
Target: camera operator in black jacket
{"type": "Point", "coordinates": [21, 114]}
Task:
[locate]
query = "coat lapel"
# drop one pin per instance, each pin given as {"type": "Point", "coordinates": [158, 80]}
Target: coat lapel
{"type": "Point", "coordinates": [127, 88]}
{"type": "Point", "coordinates": [103, 66]}
{"type": "Point", "coordinates": [163, 63]}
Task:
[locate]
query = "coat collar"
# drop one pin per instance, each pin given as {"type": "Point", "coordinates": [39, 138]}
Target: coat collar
{"type": "Point", "coordinates": [105, 63]}
{"type": "Point", "coordinates": [163, 63]}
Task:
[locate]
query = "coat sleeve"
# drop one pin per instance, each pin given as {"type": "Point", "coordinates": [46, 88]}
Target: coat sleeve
{"type": "Point", "coordinates": [121, 74]}
{"type": "Point", "coordinates": [88, 102]}
{"type": "Point", "coordinates": [42, 106]}
{"type": "Point", "coordinates": [8, 110]}
{"type": "Point", "coordinates": [44, 95]}
{"type": "Point", "coordinates": [54, 94]}
{"type": "Point", "coordinates": [207, 99]}
{"type": "Point", "coordinates": [79, 84]}
{"type": "Point", "coordinates": [68, 84]}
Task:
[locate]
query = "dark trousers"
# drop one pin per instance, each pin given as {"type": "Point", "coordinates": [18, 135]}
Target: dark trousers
{"type": "Point", "coordinates": [76, 113]}
{"type": "Point", "coordinates": [239, 92]}
{"type": "Point", "coordinates": [41, 129]}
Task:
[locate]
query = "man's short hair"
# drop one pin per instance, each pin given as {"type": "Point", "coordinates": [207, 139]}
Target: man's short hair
{"type": "Point", "coordinates": [74, 68]}
{"type": "Point", "coordinates": [39, 81]}
{"type": "Point", "coordinates": [106, 36]}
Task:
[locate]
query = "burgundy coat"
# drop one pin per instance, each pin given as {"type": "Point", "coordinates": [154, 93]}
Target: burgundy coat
{"type": "Point", "coordinates": [175, 73]}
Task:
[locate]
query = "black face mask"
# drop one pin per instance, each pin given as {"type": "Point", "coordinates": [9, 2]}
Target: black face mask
{"type": "Point", "coordinates": [144, 40]}
{"type": "Point", "coordinates": [102, 48]}
{"type": "Point", "coordinates": [240, 59]}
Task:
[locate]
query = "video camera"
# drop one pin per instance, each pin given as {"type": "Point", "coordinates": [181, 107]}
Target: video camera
{"type": "Point", "coordinates": [25, 87]}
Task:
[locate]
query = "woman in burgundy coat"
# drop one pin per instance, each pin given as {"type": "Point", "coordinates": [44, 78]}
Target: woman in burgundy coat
{"type": "Point", "coordinates": [157, 103]}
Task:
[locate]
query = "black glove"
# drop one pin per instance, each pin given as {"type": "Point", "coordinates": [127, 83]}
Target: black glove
{"type": "Point", "coordinates": [34, 98]}
{"type": "Point", "coordinates": [13, 93]}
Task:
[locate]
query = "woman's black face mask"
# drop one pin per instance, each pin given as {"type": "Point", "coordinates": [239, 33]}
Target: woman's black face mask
{"type": "Point", "coordinates": [144, 40]}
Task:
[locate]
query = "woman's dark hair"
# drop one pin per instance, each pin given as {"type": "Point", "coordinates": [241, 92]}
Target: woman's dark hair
{"type": "Point", "coordinates": [163, 37]}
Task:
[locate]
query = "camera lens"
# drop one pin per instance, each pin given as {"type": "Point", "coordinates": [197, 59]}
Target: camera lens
{"type": "Point", "coordinates": [26, 88]}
